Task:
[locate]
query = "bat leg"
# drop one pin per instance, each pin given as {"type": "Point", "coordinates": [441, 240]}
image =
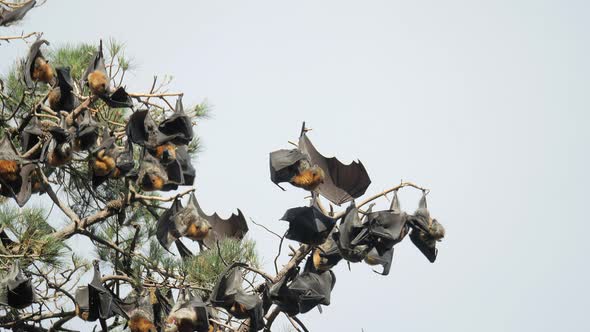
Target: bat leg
{"type": "Point", "coordinates": [103, 325]}
{"type": "Point", "coordinates": [278, 185]}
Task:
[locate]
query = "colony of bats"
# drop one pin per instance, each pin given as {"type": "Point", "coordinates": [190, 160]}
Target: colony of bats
{"type": "Point", "coordinates": [153, 156]}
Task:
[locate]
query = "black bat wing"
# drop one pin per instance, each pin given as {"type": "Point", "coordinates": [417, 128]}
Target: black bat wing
{"type": "Point", "coordinates": [18, 290]}
{"type": "Point", "coordinates": [178, 125]}
{"type": "Point", "coordinates": [283, 164]}
{"type": "Point", "coordinates": [118, 99]}
{"type": "Point", "coordinates": [342, 182]}
{"type": "Point", "coordinates": [227, 285]}
{"type": "Point", "coordinates": [136, 131]}
{"type": "Point", "coordinates": [313, 289]}
{"type": "Point", "coordinates": [308, 225]}
{"type": "Point", "coordinates": [105, 301]}
{"type": "Point", "coordinates": [425, 244]}
{"type": "Point", "coordinates": [374, 258]}
{"type": "Point", "coordinates": [34, 52]}
{"type": "Point", "coordinates": [7, 17]}
{"type": "Point", "coordinates": [66, 85]}
{"type": "Point", "coordinates": [188, 170]}
{"type": "Point", "coordinates": [183, 250]}
{"type": "Point", "coordinates": [166, 229]}
{"type": "Point", "coordinates": [31, 134]}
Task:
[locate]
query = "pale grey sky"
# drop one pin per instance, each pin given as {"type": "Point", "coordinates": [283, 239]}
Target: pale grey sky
{"type": "Point", "coordinates": [484, 102]}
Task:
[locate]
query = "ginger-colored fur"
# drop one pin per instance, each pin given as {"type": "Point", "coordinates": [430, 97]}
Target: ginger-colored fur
{"type": "Point", "coordinates": [318, 261]}
{"type": "Point", "coordinates": [103, 164]}
{"type": "Point", "coordinates": [197, 233]}
{"type": "Point", "coordinates": [42, 71]}
{"type": "Point", "coordinates": [141, 324]}
{"type": "Point", "coordinates": [97, 81]}
{"type": "Point", "coordinates": [54, 98]}
{"type": "Point", "coordinates": [9, 170]}
{"type": "Point", "coordinates": [166, 147]}
{"type": "Point", "coordinates": [309, 179]}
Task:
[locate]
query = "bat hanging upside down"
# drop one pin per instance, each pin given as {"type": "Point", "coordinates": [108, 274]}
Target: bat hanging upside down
{"type": "Point", "coordinates": [98, 82]}
{"type": "Point", "coordinates": [103, 164]}
{"type": "Point", "coordinates": [42, 71]}
{"type": "Point", "coordinates": [308, 177]}
{"type": "Point", "coordinates": [166, 152]}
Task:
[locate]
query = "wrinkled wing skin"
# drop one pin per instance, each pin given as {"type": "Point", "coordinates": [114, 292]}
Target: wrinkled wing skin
{"type": "Point", "coordinates": [283, 164]}
{"type": "Point", "coordinates": [313, 289]}
{"type": "Point", "coordinates": [135, 130]}
{"type": "Point", "coordinates": [235, 226]}
{"type": "Point", "coordinates": [25, 191]}
{"type": "Point", "coordinates": [30, 135]}
{"type": "Point", "coordinates": [107, 303]}
{"type": "Point", "coordinates": [8, 17]}
{"type": "Point", "coordinates": [66, 85]}
{"type": "Point", "coordinates": [343, 182]}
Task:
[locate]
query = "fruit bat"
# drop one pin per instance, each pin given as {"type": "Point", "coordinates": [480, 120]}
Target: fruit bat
{"type": "Point", "coordinates": [306, 168]}
{"type": "Point", "coordinates": [152, 175]}
{"type": "Point", "coordinates": [37, 68]}
{"type": "Point", "coordinates": [425, 231]}
{"type": "Point", "coordinates": [31, 135]}
{"type": "Point", "coordinates": [234, 227]}
{"type": "Point", "coordinates": [59, 149]}
{"type": "Point", "coordinates": [229, 294]}
{"type": "Point", "coordinates": [95, 301]}
{"type": "Point", "coordinates": [341, 183]}
{"type": "Point", "coordinates": [326, 255]}
{"type": "Point", "coordinates": [346, 238]}
{"type": "Point", "coordinates": [125, 162]}
{"type": "Point", "coordinates": [87, 132]}
{"type": "Point", "coordinates": [142, 130]}
{"type": "Point", "coordinates": [178, 125]}
{"type": "Point", "coordinates": [16, 289]}
{"type": "Point", "coordinates": [294, 167]}
{"type": "Point", "coordinates": [9, 16]}
{"type": "Point", "coordinates": [139, 306]}
{"type": "Point", "coordinates": [97, 79]}
{"type": "Point", "coordinates": [10, 168]}
{"type": "Point", "coordinates": [299, 293]}
{"type": "Point", "coordinates": [308, 225]}
{"type": "Point", "coordinates": [384, 229]}
{"type": "Point", "coordinates": [104, 159]}
{"type": "Point", "coordinates": [188, 314]}
{"type": "Point", "coordinates": [61, 97]}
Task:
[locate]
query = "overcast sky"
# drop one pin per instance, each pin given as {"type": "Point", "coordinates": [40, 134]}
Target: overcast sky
{"type": "Point", "coordinates": [484, 102]}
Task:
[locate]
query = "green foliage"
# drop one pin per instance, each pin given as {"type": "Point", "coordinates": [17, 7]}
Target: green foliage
{"type": "Point", "coordinates": [30, 233]}
{"type": "Point", "coordinates": [204, 268]}
{"type": "Point", "coordinates": [77, 57]}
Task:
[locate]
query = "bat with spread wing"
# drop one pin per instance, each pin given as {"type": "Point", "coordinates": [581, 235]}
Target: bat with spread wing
{"type": "Point", "coordinates": [306, 168]}
{"type": "Point", "coordinates": [16, 289]}
{"type": "Point", "coordinates": [9, 16]}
